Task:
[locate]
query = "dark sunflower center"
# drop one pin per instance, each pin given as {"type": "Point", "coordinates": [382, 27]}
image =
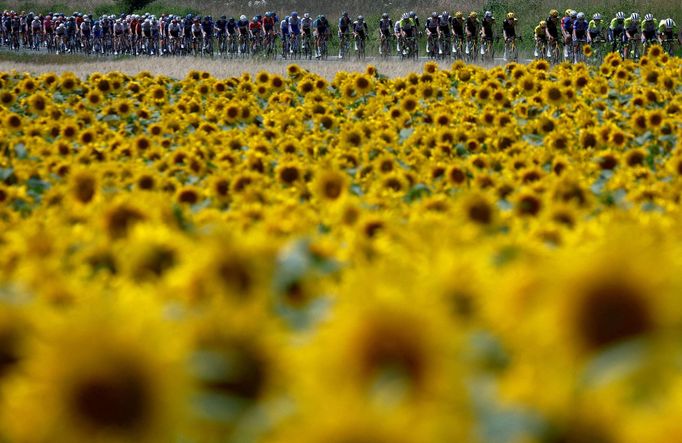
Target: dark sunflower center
{"type": "Point", "coordinates": [612, 312]}
{"type": "Point", "coordinates": [117, 401]}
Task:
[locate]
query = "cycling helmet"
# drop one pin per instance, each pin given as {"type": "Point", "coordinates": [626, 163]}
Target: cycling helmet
{"type": "Point", "coordinates": [567, 13]}
{"type": "Point", "coordinates": [459, 14]}
{"type": "Point", "coordinates": [634, 17]}
{"type": "Point", "coordinates": [405, 16]}
{"type": "Point", "coordinates": [596, 16]}
{"type": "Point", "coordinates": [574, 14]}
{"type": "Point", "coordinates": [488, 14]}
{"type": "Point", "coordinates": [294, 14]}
{"type": "Point", "coordinates": [669, 23]}
{"type": "Point", "coordinates": [242, 17]}
{"type": "Point", "coordinates": [445, 15]}
{"type": "Point", "coordinates": [473, 14]}
{"type": "Point", "coordinates": [413, 14]}
{"type": "Point", "coordinates": [224, 17]}
{"type": "Point", "coordinates": [581, 16]}
{"type": "Point", "coordinates": [360, 18]}
{"type": "Point", "coordinates": [510, 15]}
{"type": "Point", "coordinates": [384, 15]}
{"type": "Point", "coordinates": [543, 24]}
{"type": "Point", "coordinates": [620, 15]}
{"type": "Point", "coordinates": [96, 23]}
{"type": "Point", "coordinates": [648, 17]}
{"type": "Point", "coordinates": [554, 13]}
{"type": "Point", "coordinates": [345, 13]}
{"type": "Point", "coordinates": [306, 15]}
{"type": "Point", "coordinates": [434, 14]}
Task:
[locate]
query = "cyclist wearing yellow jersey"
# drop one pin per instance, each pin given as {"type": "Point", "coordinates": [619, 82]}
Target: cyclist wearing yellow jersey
{"type": "Point", "coordinates": [595, 29]}
{"type": "Point", "coordinates": [541, 39]}
{"type": "Point", "coordinates": [667, 29]}
{"type": "Point", "coordinates": [632, 27]}
{"type": "Point", "coordinates": [666, 35]}
{"type": "Point", "coordinates": [650, 29]}
{"type": "Point", "coordinates": [616, 32]}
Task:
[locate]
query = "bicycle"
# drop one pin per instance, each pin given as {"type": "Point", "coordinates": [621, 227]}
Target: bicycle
{"type": "Point", "coordinates": [432, 45]}
{"type": "Point", "coordinates": [554, 52]}
{"type": "Point", "coordinates": [487, 50]}
{"type": "Point", "coordinates": [579, 51]}
{"type": "Point", "coordinates": [344, 44]}
{"type": "Point", "coordinates": [668, 46]}
{"type": "Point", "coordinates": [360, 46]}
{"type": "Point", "coordinates": [222, 43]}
{"type": "Point", "coordinates": [633, 48]}
{"type": "Point", "coordinates": [385, 46]}
{"type": "Point", "coordinates": [598, 51]}
{"type": "Point", "coordinates": [511, 49]}
{"type": "Point", "coordinates": [458, 48]}
{"type": "Point", "coordinates": [410, 48]}
{"type": "Point", "coordinates": [472, 50]}
{"type": "Point", "coordinates": [445, 46]}
{"type": "Point", "coordinates": [269, 45]}
{"type": "Point", "coordinates": [307, 46]}
{"type": "Point", "coordinates": [207, 47]}
{"type": "Point", "coordinates": [323, 48]}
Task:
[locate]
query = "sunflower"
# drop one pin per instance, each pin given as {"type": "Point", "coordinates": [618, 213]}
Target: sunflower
{"type": "Point", "coordinates": [84, 186]}
{"type": "Point", "coordinates": [13, 121]}
{"type": "Point", "coordinates": [123, 384]}
{"type": "Point", "coordinates": [329, 185]}
{"type": "Point", "coordinates": [38, 102]}
{"type": "Point", "coordinates": [289, 173]}
{"type": "Point", "coordinates": [120, 217]}
{"type": "Point", "coordinates": [552, 94]}
{"type": "Point", "coordinates": [362, 84]}
{"type": "Point", "coordinates": [478, 209]}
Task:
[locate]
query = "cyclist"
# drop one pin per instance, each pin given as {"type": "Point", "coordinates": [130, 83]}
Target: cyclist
{"type": "Point", "coordinates": [509, 31]}
{"type": "Point", "coordinates": [552, 28]}
{"type": "Point", "coordinates": [431, 28]}
{"type": "Point", "coordinates": [385, 28]}
{"type": "Point", "coordinates": [632, 31]}
{"type": "Point", "coordinates": [360, 30]}
{"type": "Point", "coordinates": [458, 30]}
{"type": "Point", "coordinates": [650, 30]}
{"type": "Point", "coordinates": [397, 32]}
{"type": "Point", "coordinates": [408, 31]}
{"type": "Point", "coordinates": [472, 27]}
{"type": "Point", "coordinates": [220, 27]}
{"type": "Point", "coordinates": [487, 31]}
{"type": "Point", "coordinates": [580, 34]}
{"type": "Point", "coordinates": [284, 32]}
{"type": "Point", "coordinates": [255, 32]}
{"type": "Point", "coordinates": [567, 30]}
{"type": "Point", "coordinates": [667, 29]}
{"type": "Point", "coordinates": [444, 31]}
{"type": "Point", "coordinates": [36, 31]}
{"type": "Point", "coordinates": [321, 30]}
{"type": "Point", "coordinates": [307, 26]}
{"type": "Point", "coordinates": [344, 30]}
{"type": "Point", "coordinates": [294, 31]}
{"type": "Point", "coordinates": [208, 26]}
{"type": "Point", "coordinates": [541, 39]}
{"type": "Point", "coordinates": [415, 19]}
{"type": "Point", "coordinates": [268, 23]}
{"type": "Point", "coordinates": [616, 30]}
{"type": "Point", "coordinates": [595, 29]}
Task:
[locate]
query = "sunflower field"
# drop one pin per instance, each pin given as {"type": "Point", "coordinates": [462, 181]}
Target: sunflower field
{"type": "Point", "coordinates": [458, 255]}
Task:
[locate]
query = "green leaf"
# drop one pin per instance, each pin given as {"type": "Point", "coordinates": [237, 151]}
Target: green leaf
{"type": "Point", "coordinates": [405, 133]}
{"type": "Point", "coordinates": [20, 150]}
{"type": "Point", "coordinates": [534, 139]}
{"type": "Point", "coordinates": [418, 191]}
